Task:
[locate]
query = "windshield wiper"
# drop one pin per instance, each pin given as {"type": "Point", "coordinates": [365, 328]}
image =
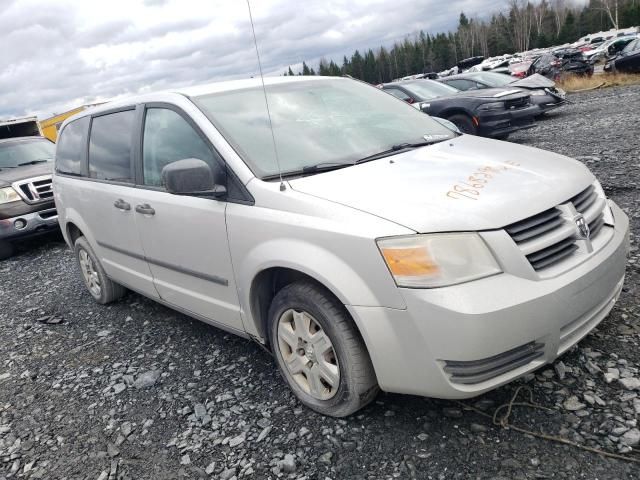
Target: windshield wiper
{"type": "Point", "coordinates": [324, 167]}
{"type": "Point", "coordinates": [310, 170]}
{"type": "Point", "coordinates": [32, 162]}
{"type": "Point", "coordinates": [398, 148]}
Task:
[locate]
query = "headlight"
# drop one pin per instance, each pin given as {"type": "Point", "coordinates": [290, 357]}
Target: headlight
{"type": "Point", "coordinates": [491, 106]}
{"type": "Point", "coordinates": [608, 214]}
{"type": "Point", "coordinates": [537, 92]}
{"type": "Point", "coordinates": [437, 260]}
{"type": "Point", "coordinates": [8, 194]}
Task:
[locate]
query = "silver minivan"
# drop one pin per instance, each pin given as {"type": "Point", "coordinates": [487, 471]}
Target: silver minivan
{"type": "Point", "coordinates": [366, 244]}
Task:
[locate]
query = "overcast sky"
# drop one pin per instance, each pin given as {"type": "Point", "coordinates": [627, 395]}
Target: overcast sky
{"type": "Point", "coordinates": [56, 55]}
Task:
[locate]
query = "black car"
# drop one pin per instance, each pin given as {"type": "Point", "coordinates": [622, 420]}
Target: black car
{"type": "Point", "coordinates": [627, 61]}
{"type": "Point", "coordinates": [26, 196]}
{"type": "Point", "coordinates": [491, 112]}
{"type": "Point", "coordinates": [560, 62]}
{"type": "Point", "coordinates": [543, 91]}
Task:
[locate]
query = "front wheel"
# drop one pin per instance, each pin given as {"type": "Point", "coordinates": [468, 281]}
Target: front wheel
{"type": "Point", "coordinates": [464, 123]}
{"type": "Point", "coordinates": [320, 353]}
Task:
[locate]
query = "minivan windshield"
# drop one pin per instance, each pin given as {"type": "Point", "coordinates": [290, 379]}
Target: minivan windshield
{"type": "Point", "coordinates": [315, 122]}
{"type": "Point", "coordinates": [25, 152]}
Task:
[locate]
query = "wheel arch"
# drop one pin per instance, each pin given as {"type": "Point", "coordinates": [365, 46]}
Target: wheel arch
{"type": "Point", "coordinates": [75, 227]}
{"type": "Point", "coordinates": [73, 233]}
{"type": "Point", "coordinates": [268, 282]}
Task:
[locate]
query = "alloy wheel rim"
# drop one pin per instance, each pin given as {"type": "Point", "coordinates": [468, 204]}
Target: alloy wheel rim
{"type": "Point", "coordinates": [89, 273]}
{"type": "Point", "coordinates": [308, 354]}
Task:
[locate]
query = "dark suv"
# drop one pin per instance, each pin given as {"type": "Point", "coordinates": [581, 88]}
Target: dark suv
{"type": "Point", "coordinates": [26, 197]}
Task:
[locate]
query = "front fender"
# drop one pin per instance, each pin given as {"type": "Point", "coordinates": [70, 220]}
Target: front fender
{"type": "Point", "coordinates": [321, 264]}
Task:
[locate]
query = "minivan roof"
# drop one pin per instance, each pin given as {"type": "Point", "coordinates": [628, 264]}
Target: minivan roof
{"type": "Point", "coordinates": [196, 90]}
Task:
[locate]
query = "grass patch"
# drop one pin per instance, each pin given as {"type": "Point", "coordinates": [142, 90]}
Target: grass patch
{"type": "Point", "coordinates": [575, 83]}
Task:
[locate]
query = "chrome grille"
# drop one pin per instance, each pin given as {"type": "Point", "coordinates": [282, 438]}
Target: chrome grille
{"type": "Point", "coordinates": [550, 237]}
{"type": "Point", "coordinates": [35, 190]}
{"type": "Point", "coordinates": [584, 199]}
{"type": "Point", "coordinates": [534, 226]}
{"type": "Point", "coordinates": [552, 254]}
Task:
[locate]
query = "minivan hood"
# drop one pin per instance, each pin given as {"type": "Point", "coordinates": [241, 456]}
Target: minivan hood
{"type": "Point", "coordinates": [10, 175]}
{"type": "Point", "coordinates": [412, 188]}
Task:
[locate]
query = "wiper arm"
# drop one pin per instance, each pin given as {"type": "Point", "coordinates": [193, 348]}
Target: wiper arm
{"type": "Point", "coordinates": [325, 167]}
{"type": "Point", "coordinates": [310, 170]}
{"type": "Point", "coordinates": [32, 162]}
{"type": "Point", "coordinates": [398, 148]}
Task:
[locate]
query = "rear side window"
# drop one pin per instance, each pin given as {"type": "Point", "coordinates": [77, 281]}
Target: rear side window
{"type": "Point", "coordinates": [110, 146]}
{"type": "Point", "coordinates": [69, 151]}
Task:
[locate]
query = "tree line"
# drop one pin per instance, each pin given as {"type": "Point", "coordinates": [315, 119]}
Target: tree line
{"type": "Point", "coordinates": [524, 26]}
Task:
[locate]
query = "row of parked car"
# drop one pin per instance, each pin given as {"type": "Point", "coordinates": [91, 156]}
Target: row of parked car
{"type": "Point", "coordinates": [619, 53]}
{"type": "Point", "coordinates": [489, 104]}
{"type": "Point", "coordinates": [497, 96]}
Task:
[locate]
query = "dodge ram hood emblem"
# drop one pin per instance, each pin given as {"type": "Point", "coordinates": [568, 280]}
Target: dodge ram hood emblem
{"type": "Point", "coordinates": [583, 227]}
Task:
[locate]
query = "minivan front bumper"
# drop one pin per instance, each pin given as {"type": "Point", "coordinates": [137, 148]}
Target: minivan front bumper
{"type": "Point", "coordinates": [463, 340]}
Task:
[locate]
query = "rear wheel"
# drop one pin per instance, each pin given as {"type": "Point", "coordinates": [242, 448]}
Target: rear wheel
{"type": "Point", "coordinates": [100, 286]}
{"type": "Point", "coordinates": [319, 352]}
{"type": "Point", "coordinates": [464, 123]}
{"type": "Point", "coordinates": [6, 249]}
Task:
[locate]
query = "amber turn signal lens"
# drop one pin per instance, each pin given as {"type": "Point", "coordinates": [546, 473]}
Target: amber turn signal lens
{"type": "Point", "coordinates": [409, 262]}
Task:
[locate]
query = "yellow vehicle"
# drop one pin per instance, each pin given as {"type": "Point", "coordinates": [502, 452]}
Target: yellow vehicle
{"type": "Point", "coordinates": [51, 125]}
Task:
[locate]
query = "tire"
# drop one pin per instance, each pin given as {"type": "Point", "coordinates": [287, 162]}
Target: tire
{"type": "Point", "coordinates": [6, 249]}
{"type": "Point", "coordinates": [464, 123]}
{"type": "Point", "coordinates": [107, 290]}
{"type": "Point", "coordinates": [356, 384]}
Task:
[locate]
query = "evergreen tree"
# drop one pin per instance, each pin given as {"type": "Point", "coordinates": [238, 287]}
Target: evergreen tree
{"type": "Point", "coordinates": [521, 25]}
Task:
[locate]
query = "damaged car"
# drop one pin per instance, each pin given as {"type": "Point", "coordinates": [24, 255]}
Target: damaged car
{"type": "Point", "coordinates": [490, 112]}
{"type": "Point", "coordinates": [627, 61]}
{"type": "Point", "coordinates": [544, 93]}
{"type": "Point", "coordinates": [560, 62]}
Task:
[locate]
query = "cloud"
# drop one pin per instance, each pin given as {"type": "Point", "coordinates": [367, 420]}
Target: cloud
{"type": "Point", "coordinates": [73, 52]}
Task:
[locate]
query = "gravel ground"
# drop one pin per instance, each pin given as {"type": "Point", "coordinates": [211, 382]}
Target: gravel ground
{"type": "Point", "coordinates": [137, 391]}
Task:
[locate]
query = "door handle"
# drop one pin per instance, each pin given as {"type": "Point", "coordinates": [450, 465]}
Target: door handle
{"type": "Point", "coordinates": [121, 205]}
{"type": "Point", "coordinates": [145, 209]}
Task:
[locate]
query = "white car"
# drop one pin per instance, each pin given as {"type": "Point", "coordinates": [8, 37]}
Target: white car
{"type": "Point", "coordinates": [367, 245]}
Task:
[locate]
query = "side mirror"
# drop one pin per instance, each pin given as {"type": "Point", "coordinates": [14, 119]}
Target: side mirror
{"type": "Point", "coordinates": [193, 177]}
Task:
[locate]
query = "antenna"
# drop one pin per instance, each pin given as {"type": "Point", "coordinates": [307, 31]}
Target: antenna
{"type": "Point", "coordinates": [266, 101]}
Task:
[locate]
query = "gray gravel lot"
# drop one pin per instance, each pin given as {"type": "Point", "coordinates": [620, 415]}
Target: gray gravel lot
{"type": "Point", "coordinates": [137, 391]}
